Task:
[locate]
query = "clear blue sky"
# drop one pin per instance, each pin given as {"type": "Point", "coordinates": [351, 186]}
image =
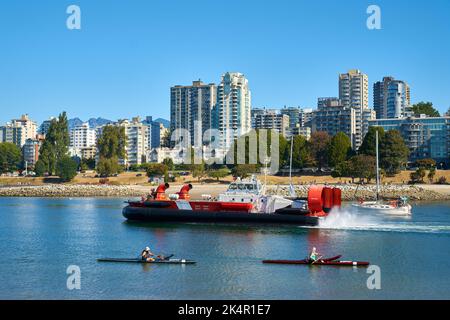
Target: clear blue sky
{"type": "Point", "coordinates": [128, 53]}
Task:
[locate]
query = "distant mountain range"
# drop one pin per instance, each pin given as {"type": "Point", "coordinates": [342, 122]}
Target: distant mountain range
{"type": "Point", "coordinates": [96, 122]}
{"type": "Point", "coordinates": [164, 122]}
{"type": "Point", "coordinates": [93, 122]}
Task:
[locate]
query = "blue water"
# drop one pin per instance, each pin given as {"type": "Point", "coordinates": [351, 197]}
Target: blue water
{"type": "Point", "coordinates": [40, 238]}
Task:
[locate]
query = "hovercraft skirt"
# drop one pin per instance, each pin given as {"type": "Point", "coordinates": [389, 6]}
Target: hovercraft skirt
{"type": "Point", "coordinates": [179, 215]}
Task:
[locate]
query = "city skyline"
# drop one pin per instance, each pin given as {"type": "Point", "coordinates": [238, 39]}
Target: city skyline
{"type": "Point", "coordinates": [123, 62]}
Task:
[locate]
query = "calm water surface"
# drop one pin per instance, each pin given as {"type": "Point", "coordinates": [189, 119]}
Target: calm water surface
{"type": "Point", "coordinates": [40, 238]}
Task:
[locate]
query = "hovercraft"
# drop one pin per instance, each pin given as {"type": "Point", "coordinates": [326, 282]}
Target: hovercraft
{"type": "Point", "coordinates": [255, 209]}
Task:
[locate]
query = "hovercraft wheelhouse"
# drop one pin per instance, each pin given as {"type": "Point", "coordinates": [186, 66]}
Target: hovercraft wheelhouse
{"type": "Point", "coordinates": [243, 191]}
{"type": "Point", "coordinates": [243, 202]}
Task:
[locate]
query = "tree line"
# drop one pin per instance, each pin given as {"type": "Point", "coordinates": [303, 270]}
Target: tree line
{"type": "Point", "coordinates": [325, 151]}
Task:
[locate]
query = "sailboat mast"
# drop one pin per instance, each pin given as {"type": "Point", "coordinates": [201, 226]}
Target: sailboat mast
{"type": "Point", "coordinates": [290, 160]}
{"type": "Point", "coordinates": [378, 170]}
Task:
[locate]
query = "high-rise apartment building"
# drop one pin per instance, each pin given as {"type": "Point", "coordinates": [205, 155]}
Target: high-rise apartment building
{"type": "Point", "coordinates": [29, 128]}
{"type": "Point", "coordinates": [298, 117]}
{"type": "Point", "coordinates": [82, 136]}
{"type": "Point", "coordinates": [271, 119]}
{"type": "Point", "coordinates": [332, 117]}
{"type": "Point", "coordinates": [191, 109]}
{"type": "Point", "coordinates": [300, 131]}
{"type": "Point", "coordinates": [391, 98]}
{"type": "Point", "coordinates": [354, 89]}
{"type": "Point", "coordinates": [137, 141]}
{"type": "Point", "coordinates": [354, 93]}
{"type": "Point", "coordinates": [256, 112]}
{"type": "Point", "coordinates": [306, 117]}
{"type": "Point", "coordinates": [18, 131]}
{"type": "Point", "coordinates": [233, 108]}
{"type": "Point", "coordinates": [12, 134]}
{"type": "Point", "coordinates": [156, 132]}
{"type": "Point", "coordinates": [294, 114]}
{"type": "Point", "coordinates": [30, 150]}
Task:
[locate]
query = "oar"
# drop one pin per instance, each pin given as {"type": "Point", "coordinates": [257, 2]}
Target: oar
{"type": "Point", "coordinates": [317, 260]}
{"type": "Point", "coordinates": [165, 257]}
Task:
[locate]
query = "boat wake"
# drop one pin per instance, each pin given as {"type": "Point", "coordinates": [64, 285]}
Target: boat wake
{"type": "Point", "coordinates": [351, 219]}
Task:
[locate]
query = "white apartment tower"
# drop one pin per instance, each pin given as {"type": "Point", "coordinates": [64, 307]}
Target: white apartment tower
{"type": "Point", "coordinates": [233, 108]}
{"type": "Point", "coordinates": [82, 136]}
{"type": "Point", "coordinates": [354, 93]}
{"type": "Point", "coordinates": [137, 141]}
{"type": "Point", "coordinates": [391, 98]}
{"type": "Point", "coordinates": [28, 129]}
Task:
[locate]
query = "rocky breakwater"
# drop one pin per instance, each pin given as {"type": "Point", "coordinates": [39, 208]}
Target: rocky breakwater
{"type": "Point", "coordinates": [352, 192]}
{"type": "Point", "coordinates": [63, 190]}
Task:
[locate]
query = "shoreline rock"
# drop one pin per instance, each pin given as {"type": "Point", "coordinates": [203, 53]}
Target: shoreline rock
{"type": "Point", "coordinates": [69, 191]}
{"type": "Point", "coordinates": [368, 192]}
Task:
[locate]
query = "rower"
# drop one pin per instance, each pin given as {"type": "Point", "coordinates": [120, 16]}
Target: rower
{"type": "Point", "coordinates": [147, 255]}
{"type": "Point", "coordinates": [314, 256]}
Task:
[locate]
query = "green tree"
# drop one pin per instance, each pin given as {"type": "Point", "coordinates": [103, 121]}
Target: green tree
{"type": "Point", "coordinates": [198, 171]}
{"type": "Point", "coordinates": [339, 149]}
{"type": "Point", "coordinates": [112, 142]}
{"type": "Point", "coordinates": [418, 175]}
{"type": "Point", "coordinates": [361, 166]}
{"type": "Point", "coordinates": [47, 154]}
{"type": "Point", "coordinates": [156, 169]}
{"type": "Point", "coordinates": [169, 163]}
{"type": "Point", "coordinates": [368, 146]}
{"type": "Point", "coordinates": [56, 144]}
{"type": "Point", "coordinates": [425, 108]}
{"type": "Point", "coordinates": [10, 157]}
{"type": "Point", "coordinates": [218, 173]}
{"type": "Point", "coordinates": [426, 163]}
{"type": "Point", "coordinates": [165, 140]}
{"type": "Point", "coordinates": [111, 147]}
{"type": "Point", "coordinates": [393, 152]}
{"type": "Point", "coordinates": [300, 155]}
{"type": "Point", "coordinates": [62, 138]}
{"type": "Point", "coordinates": [243, 170]}
{"type": "Point", "coordinates": [358, 166]}
{"type": "Point", "coordinates": [40, 168]}
{"type": "Point", "coordinates": [66, 169]}
{"type": "Point", "coordinates": [285, 149]}
{"type": "Point", "coordinates": [107, 167]}
{"type": "Point", "coordinates": [88, 164]}
{"type": "Point", "coordinates": [342, 170]}
{"type": "Point", "coordinates": [431, 174]}
{"type": "Point", "coordinates": [318, 146]}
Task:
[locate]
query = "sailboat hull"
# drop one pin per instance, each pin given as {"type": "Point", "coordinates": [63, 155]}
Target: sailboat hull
{"type": "Point", "coordinates": [377, 207]}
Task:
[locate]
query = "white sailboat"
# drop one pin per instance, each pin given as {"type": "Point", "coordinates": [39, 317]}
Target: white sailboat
{"type": "Point", "coordinates": [393, 207]}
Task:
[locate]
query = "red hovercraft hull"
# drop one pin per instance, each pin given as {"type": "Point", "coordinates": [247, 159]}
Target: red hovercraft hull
{"type": "Point", "coordinates": [186, 210]}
